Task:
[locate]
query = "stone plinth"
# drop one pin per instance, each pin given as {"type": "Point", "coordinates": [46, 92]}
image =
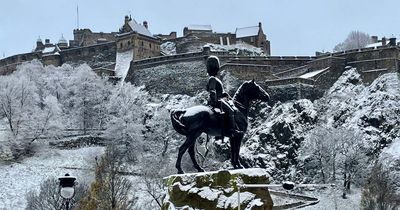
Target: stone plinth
{"type": "Point", "coordinates": [217, 190]}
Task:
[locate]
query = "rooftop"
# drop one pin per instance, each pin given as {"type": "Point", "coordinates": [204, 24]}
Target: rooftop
{"type": "Point", "coordinates": [200, 27]}
{"type": "Point", "coordinates": [247, 31]}
{"type": "Point", "coordinates": [140, 29]}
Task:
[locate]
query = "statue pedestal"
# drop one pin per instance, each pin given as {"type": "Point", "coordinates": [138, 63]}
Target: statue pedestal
{"type": "Point", "coordinates": [217, 190]}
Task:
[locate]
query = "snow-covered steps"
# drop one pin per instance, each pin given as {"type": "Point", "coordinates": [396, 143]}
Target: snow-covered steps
{"type": "Point", "coordinates": [218, 190]}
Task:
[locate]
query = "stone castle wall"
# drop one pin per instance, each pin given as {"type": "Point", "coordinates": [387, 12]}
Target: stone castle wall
{"type": "Point", "coordinates": [94, 55]}
{"type": "Point", "coordinates": [85, 37]}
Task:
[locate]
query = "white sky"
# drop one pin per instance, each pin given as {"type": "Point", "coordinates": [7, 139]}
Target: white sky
{"type": "Point", "coordinates": [294, 27]}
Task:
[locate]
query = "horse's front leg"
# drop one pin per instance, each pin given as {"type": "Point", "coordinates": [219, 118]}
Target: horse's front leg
{"type": "Point", "coordinates": [233, 154]}
{"type": "Point", "coordinates": [193, 157]}
{"type": "Point", "coordinates": [237, 141]}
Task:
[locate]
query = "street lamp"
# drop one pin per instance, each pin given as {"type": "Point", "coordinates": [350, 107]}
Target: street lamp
{"type": "Point", "coordinates": [67, 188]}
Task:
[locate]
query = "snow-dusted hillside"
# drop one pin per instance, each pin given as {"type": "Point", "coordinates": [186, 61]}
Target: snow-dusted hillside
{"type": "Point", "coordinates": [374, 110]}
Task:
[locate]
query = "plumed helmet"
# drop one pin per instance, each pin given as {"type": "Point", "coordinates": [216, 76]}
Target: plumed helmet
{"type": "Point", "coordinates": [212, 64]}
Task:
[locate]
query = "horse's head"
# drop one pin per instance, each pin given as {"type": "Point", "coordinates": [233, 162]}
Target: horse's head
{"type": "Point", "coordinates": [255, 91]}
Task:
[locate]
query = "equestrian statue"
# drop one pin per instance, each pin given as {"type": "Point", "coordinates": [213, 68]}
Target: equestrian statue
{"type": "Point", "coordinates": [221, 117]}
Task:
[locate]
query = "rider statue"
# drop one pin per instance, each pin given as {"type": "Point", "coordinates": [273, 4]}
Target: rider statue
{"type": "Point", "coordinates": [218, 97]}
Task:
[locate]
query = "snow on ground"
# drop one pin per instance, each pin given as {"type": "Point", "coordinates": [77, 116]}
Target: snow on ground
{"type": "Point", "coordinates": [331, 198]}
{"type": "Point", "coordinates": [313, 73]}
{"type": "Point", "coordinates": [123, 62]}
{"type": "Point", "coordinates": [18, 178]}
{"type": "Point", "coordinates": [237, 49]}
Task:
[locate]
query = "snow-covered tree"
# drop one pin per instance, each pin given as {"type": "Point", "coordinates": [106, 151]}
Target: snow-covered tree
{"type": "Point", "coordinates": [86, 96]}
{"type": "Point", "coordinates": [355, 40]}
{"type": "Point", "coordinates": [333, 151]}
{"type": "Point", "coordinates": [126, 115]}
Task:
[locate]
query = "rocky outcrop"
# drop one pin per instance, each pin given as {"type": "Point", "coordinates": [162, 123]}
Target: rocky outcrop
{"type": "Point", "coordinates": [217, 190]}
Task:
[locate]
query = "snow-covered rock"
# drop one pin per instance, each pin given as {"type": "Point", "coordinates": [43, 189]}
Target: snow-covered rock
{"type": "Point", "coordinates": [217, 190]}
{"type": "Point", "coordinates": [168, 48]}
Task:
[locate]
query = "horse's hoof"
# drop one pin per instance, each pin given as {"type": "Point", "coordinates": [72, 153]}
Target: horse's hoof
{"type": "Point", "coordinates": [237, 166]}
{"type": "Point", "coordinates": [180, 172]}
{"type": "Point", "coordinates": [200, 170]}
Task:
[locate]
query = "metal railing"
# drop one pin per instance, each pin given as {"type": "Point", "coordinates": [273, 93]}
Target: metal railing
{"type": "Point", "coordinates": [286, 185]}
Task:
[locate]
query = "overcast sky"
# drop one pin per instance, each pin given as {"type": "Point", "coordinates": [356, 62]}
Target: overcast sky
{"type": "Point", "coordinates": [294, 27]}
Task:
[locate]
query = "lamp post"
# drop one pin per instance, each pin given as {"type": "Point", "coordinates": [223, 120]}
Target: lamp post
{"type": "Point", "coordinates": [67, 188]}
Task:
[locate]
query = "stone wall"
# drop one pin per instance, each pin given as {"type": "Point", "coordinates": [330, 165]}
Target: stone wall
{"type": "Point", "coordinates": [277, 63]}
{"type": "Point", "coordinates": [245, 72]}
{"type": "Point", "coordinates": [95, 56]}
{"type": "Point", "coordinates": [9, 64]}
{"type": "Point", "coordinates": [184, 77]}
{"type": "Point", "coordinates": [85, 37]}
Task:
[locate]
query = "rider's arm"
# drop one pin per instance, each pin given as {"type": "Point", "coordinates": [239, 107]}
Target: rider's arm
{"type": "Point", "coordinates": [211, 88]}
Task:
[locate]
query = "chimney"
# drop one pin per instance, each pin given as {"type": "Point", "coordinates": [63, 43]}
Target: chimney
{"type": "Point", "coordinates": [383, 41]}
{"type": "Point", "coordinates": [374, 39]}
{"type": "Point", "coordinates": [145, 24]}
{"type": "Point", "coordinates": [126, 19]}
{"type": "Point", "coordinates": [47, 41]}
{"type": "Point", "coordinates": [392, 41]}
{"type": "Point", "coordinates": [39, 44]}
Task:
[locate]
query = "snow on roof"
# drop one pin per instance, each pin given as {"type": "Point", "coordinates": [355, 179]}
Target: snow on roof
{"type": "Point", "coordinates": [313, 73]}
{"type": "Point", "coordinates": [49, 49]}
{"type": "Point", "coordinates": [200, 27]}
{"type": "Point", "coordinates": [377, 44]}
{"type": "Point", "coordinates": [62, 40]}
{"type": "Point", "coordinates": [139, 28]}
{"type": "Point", "coordinates": [247, 31]}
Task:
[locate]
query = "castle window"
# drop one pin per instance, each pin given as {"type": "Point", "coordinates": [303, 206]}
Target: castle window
{"type": "Point", "coordinates": [142, 44]}
{"type": "Point", "coordinates": [150, 45]}
{"type": "Point", "coordinates": [129, 43]}
{"type": "Point", "coordinates": [120, 45]}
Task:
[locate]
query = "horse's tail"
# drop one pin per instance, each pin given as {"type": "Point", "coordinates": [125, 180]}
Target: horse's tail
{"type": "Point", "coordinates": [176, 123]}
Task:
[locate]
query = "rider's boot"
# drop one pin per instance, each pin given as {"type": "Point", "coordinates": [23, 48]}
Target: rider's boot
{"type": "Point", "coordinates": [232, 127]}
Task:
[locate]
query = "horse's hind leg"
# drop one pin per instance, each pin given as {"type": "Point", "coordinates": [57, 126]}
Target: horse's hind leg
{"type": "Point", "coordinates": [182, 151]}
{"type": "Point", "coordinates": [190, 140]}
{"type": "Point", "coordinates": [193, 157]}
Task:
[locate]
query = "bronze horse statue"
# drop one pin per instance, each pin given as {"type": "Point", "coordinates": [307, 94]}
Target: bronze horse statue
{"type": "Point", "coordinates": [194, 121]}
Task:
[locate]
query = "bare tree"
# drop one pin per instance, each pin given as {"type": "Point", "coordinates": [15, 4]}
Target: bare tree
{"type": "Point", "coordinates": [320, 150]}
{"type": "Point", "coordinates": [355, 40]}
{"type": "Point", "coordinates": [336, 150]}
{"type": "Point", "coordinates": [110, 190]}
{"type": "Point", "coordinates": [48, 198]}
{"type": "Point", "coordinates": [352, 159]}
{"type": "Point", "coordinates": [380, 191]}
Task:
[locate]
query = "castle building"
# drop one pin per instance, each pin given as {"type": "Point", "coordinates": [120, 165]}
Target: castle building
{"type": "Point", "coordinates": [197, 29]}
{"type": "Point", "coordinates": [255, 36]}
{"type": "Point", "coordinates": [85, 37]}
{"type": "Point", "coordinates": [137, 37]}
